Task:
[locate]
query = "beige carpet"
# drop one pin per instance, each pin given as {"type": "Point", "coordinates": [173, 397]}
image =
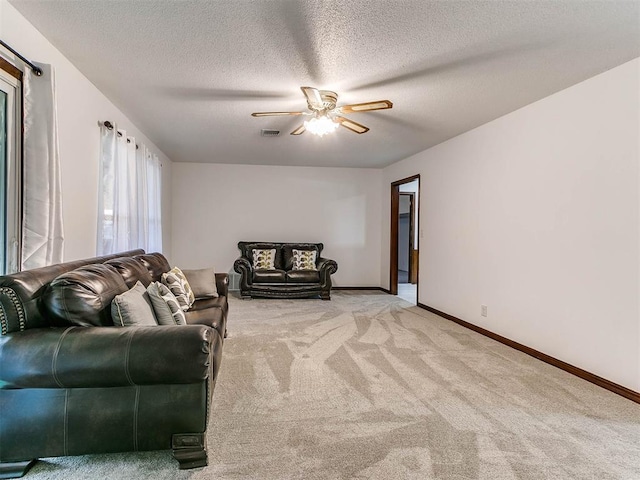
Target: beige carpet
{"type": "Point", "coordinates": [366, 386]}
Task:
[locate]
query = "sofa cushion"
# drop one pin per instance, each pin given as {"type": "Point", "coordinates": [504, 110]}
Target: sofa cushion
{"type": "Point", "coordinates": [304, 259]}
{"type": "Point", "coordinates": [165, 305]}
{"type": "Point", "coordinates": [288, 249]}
{"type": "Point", "coordinates": [303, 276]}
{"type": "Point", "coordinates": [131, 270]}
{"type": "Point", "coordinates": [264, 259]}
{"type": "Point", "coordinates": [156, 264]}
{"type": "Point", "coordinates": [133, 307]}
{"type": "Point", "coordinates": [179, 286]}
{"type": "Point", "coordinates": [83, 296]}
{"type": "Point", "coordinates": [202, 282]}
{"type": "Point", "coordinates": [213, 317]}
{"type": "Point", "coordinates": [218, 302]}
{"type": "Point", "coordinates": [269, 276]}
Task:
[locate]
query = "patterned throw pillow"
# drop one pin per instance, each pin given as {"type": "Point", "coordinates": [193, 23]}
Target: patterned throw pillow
{"type": "Point", "coordinates": [179, 286]}
{"type": "Point", "coordinates": [304, 259]}
{"type": "Point", "coordinates": [165, 305]}
{"type": "Point", "coordinates": [264, 259]}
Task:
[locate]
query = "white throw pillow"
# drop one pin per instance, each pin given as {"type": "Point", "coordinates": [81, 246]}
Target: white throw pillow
{"type": "Point", "coordinates": [304, 259]}
{"type": "Point", "coordinates": [264, 259]}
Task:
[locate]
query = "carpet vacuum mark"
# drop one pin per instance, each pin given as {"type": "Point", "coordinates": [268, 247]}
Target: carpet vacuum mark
{"type": "Point", "coordinates": [368, 387]}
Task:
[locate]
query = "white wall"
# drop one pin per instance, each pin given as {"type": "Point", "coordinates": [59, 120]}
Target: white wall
{"type": "Point", "coordinates": [537, 216]}
{"type": "Point", "coordinates": [215, 206]}
{"type": "Point", "coordinates": [80, 106]}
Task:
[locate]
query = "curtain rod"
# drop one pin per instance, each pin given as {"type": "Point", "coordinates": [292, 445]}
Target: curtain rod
{"type": "Point", "coordinates": [109, 126]}
{"type": "Point", "coordinates": [36, 70]}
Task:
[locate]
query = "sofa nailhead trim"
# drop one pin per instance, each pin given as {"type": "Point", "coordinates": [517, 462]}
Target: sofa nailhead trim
{"type": "Point", "coordinates": [19, 309]}
{"type": "Point", "coordinates": [3, 321]}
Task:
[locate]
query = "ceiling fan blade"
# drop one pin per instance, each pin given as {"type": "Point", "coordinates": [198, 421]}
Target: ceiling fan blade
{"type": "Point", "coordinates": [299, 131]}
{"type": "Point", "coordinates": [314, 99]}
{"type": "Point", "coordinates": [275, 114]}
{"type": "Point", "coordinates": [366, 107]}
{"type": "Point", "coordinates": [351, 125]}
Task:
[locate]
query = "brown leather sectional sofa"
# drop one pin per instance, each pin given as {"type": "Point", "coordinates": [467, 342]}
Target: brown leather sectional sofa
{"type": "Point", "coordinates": [72, 389]}
{"type": "Point", "coordinates": [283, 282]}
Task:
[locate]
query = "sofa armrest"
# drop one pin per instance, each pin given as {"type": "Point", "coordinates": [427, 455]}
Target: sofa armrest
{"type": "Point", "coordinates": [243, 266]}
{"type": "Point", "coordinates": [78, 357]}
{"type": "Point", "coordinates": [222, 284]}
{"type": "Point", "coordinates": [326, 268]}
{"type": "Point", "coordinates": [327, 264]}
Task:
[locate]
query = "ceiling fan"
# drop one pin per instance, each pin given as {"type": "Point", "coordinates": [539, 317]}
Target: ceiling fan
{"type": "Point", "coordinates": [325, 115]}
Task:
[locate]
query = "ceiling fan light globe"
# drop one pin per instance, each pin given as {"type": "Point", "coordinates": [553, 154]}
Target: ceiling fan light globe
{"type": "Point", "coordinates": [320, 126]}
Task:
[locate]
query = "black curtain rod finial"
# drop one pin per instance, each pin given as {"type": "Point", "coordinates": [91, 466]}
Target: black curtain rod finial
{"type": "Point", "coordinates": [36, 70]}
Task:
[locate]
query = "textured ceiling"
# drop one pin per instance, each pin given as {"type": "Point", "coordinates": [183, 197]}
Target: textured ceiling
{"type": "Point", "coordinates": [189, 73]}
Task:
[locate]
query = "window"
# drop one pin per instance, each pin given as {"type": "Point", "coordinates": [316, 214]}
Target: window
{"type": "Point", "coordinates": [10, 158]}
{"type": "Point", "coordinates": [129, 198]}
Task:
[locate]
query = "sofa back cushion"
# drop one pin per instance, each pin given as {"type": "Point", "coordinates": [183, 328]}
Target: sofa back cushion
{"type": "Point", "coordinates": [132, 270]}
{"type": "Point", "coordinates": [83, 296]}
{"type": "Point", "coordinates": [288, 249]}
{"type": "Point", "coordinates": [21, 305]}
{"type": "Point", "coordinates": [156, 264]}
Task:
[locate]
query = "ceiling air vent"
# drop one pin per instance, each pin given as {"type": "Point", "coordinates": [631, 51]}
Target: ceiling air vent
{"type": "Point", "coordinates": [265, 132]}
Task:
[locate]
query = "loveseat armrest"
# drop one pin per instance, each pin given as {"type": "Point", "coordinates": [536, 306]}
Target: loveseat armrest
{"type": "Point", "coordinates": [326, 268]}
{"type": "Point", "coordinates": [222, 284]}
{"type": "Point", "coordinates": [86, 357]}
{"type": "Point", "coordinates": [243, 266]}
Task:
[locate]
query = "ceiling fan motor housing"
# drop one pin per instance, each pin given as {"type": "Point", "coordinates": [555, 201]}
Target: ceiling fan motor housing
{"type": "Point", "coordinates": [329, 101]}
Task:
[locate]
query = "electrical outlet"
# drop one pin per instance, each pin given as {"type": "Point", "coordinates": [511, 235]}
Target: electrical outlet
{"type": "Point", "coordinates": [483, 310]}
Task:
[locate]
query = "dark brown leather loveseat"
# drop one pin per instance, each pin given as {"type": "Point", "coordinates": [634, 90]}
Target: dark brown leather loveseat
{"type": "Point", "coordinates": [283, 281]}
{"type": "Point", "coordinates": [90, 387]}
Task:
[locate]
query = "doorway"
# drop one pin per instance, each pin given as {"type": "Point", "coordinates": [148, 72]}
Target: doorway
{"type": "Point", "coordinates": [404, 248]}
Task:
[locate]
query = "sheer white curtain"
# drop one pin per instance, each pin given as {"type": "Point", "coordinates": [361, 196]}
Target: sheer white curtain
{"type": "Point", "coordinates": [149, 183]}
{"type": "Point", "coordinates": [42, 230]}
{"type": "Point", "coordinates": [129, 213]}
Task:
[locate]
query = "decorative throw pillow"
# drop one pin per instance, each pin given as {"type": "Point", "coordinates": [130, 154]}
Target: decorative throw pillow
{"type": "Point", "coordinates": [133, 308]}
{"type": "Point", "coordinates": [304, 259]}
{"type": "Point", "coordinates": [165, 305]}
{"type": "Point", "coordinates": [264, 259]}
{"type": "Point", "coordinates": [203, 282]}
{"type": "Point", "coordinates": [179, 286]}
